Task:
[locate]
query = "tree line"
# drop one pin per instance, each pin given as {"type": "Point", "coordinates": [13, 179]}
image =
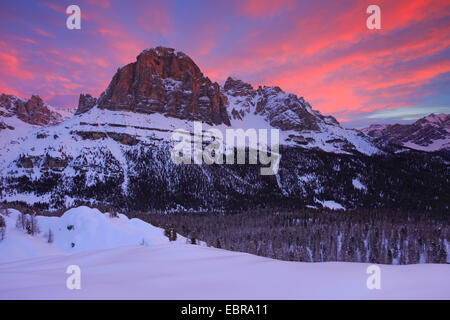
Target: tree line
{"type": "Point", "coordinates": [373, 236]}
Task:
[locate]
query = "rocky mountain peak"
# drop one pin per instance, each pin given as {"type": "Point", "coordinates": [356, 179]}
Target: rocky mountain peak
{"type": "Point", "coordinates": [85, 103]}
{"type": "Point", "coordinates": [441, 119]}
{"type": "Point", "coordinates": [168, 82]}
{"type": "Point", "coordinates": [32, 111]}
{"type": "Point", "coordinates": [237, 87]}
{"type": "Point", "coordinates": [430, 133]}
{"type": "Point", "coordinates": [282, 110]}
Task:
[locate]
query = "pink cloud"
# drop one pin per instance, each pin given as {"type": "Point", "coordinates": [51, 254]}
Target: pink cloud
{"type": "Point", "coordinates": [321, 50]}
{"type": "Point", "coordinates": [100, 3]}
{"type": "Point", "coordinates": [44, 33]}
{"type": "Point", "coordinates": [11, 64]}
{"type": "Point", "coordinates": [263, 8]}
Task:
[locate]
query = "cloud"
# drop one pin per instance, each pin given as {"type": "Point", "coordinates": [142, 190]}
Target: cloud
{"type": "Point", "coordinates": [321, 50]}
{"type": "Point", "coordinates": [100, 3]}
{"type": "Point", "coordinates": [263, 8]}
{"type": "Point", "coordinates": [12, 64]}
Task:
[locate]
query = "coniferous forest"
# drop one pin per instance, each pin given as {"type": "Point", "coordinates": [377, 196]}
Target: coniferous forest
{"type": "Point", "coordinates": [375, 236]}
{"type": "Point", "coordinates": [381, 235]}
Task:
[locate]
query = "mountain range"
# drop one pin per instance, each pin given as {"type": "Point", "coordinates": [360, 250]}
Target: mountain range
{"type": "Point", "coordinates": [116, 149]}
{"type": "Point", "coordinates": [430, 133]}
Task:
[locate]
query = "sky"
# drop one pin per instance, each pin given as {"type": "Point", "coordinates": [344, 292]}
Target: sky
{"type": "Point", "coordinates": [320, 50]}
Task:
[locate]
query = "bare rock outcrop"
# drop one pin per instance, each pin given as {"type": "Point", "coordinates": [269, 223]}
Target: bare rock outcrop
{"type": "Point", "coordinates": [166, 81]}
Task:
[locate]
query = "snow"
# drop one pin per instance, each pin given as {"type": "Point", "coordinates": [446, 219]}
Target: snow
{"type": "Point", "coordinates": [114, 266]}
{"type": "Point", "coordinates": [16, 134]}
{"type": "Point", "coordinates": [434, 146]}
{"type": "Point", "coordinates": [78, 230]}
{"type": "Point", "coordinates": [65, 112]}
{"type": "Point", "coordinates": [63, 140]}
{"type": "Point", "coordinates": [436, 119]}
{"type": "Point", "coordinates": [330, 204]}
{"type": "Point", "coordinates": [431, 133]}
{"type": "Point", "coordinates": [358, 185]}
{"type": "Point", "coordinates": [328, 131]}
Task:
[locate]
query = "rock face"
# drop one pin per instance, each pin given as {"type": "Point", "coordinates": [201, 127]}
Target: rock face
{"type": "Point", "coordinates": [282, 110]}
{"type": "Point", "coordinates": [431, 133]}
{"type": "Point", "coordinates": [118, 149]}
{"type": "Point", "coordinates": [32, 111]}
{"type": "Point", "coordinates": [85, 103]}
{"type": "Point", "coordinates": [166, 81]}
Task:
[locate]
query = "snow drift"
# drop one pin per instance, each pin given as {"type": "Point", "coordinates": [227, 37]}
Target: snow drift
{"type": "Point", "coordinates": [115, 266]}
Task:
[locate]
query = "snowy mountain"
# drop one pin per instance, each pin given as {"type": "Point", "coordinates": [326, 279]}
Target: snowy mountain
{"type": "Point", "coordinates": [116, 150]}
{"type": "Point", "coordinates": [301, 126]}
{"type": "Point", "coordinates": [19, 116]}
{"type": "Point", "coordinates": [123, 258]}
{"type": "Point", "coordinates": [430, 133]}
{"type": "Point", "coordinates": [166, 82]}
{"type": "Point", "coordinates": [32, 111]}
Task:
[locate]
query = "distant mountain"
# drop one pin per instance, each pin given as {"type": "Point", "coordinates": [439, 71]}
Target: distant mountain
{"type": "Point", "coordinates": [167, 82]}
{"type": "Point", "coordinates": [66, 112]}
{"type": "Point", "coordinates": [32, 111]}
{"type": "Point", "coordinates": [116, 150]}
{"type": "Point", "coordinates": [431, 133]}
{"type": "Point", "coordinates": [18, 116]}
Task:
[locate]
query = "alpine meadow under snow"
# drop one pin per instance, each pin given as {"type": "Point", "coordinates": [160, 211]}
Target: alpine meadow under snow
{"type": "Point", "coordinates": [123, 258]}
{"type": "Point", "coordinates": [339, 201]}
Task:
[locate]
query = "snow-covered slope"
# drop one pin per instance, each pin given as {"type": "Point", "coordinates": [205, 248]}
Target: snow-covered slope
{"type": "Point", "coordinates": [117, 149]}
{"type": "Point", "coordinates": [77, 230]}
{"type": "Point", "coordinates": [430, 133]}
{"type": "Point", "coordinates": [19, 117]}
{"type": "Point", "coordinates": [115, 266]}
{"type": "Point", "coordinates": [300, 125]}
{"type": "Point", "coordinates": [65, 112]}
{"type": "Point", "coordinates": [100, 144]}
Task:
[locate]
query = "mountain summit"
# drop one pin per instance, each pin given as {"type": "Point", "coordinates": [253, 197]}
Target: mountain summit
{"type": "Point", "coordinates": [430, 133]}
{"type": "Point", "coordinates": [163, 81]}
{"type": "Point", "coordinates": [32, 111]}
{"type": "Point", "coordinates": [117, 148]}
{"type": "Point", "coordinates": [166, 81]}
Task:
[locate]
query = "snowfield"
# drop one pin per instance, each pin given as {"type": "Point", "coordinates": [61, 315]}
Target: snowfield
{"type": "Point", "coordinates": [116, 264]}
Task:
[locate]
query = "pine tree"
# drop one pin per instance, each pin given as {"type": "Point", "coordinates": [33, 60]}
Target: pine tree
{"type": "Point", "coordinates": [50, 238]}
{"type": "Point", "coordinates": [31, 224]}
{"type": "Point", "coordinates": [21, 221]}
{"type": "Point", "coordinates": [170, 233]}
{"type": "Point", "coordinates": [113, 213]}
{"type": "Point", "coordinates": [2, 228]}
{"type": "Point", "coordinates": [167, 232]}
{"type": "Point", "coordinates": [173, 234]}
{"type": "Point", "coordinates": [193, 238]}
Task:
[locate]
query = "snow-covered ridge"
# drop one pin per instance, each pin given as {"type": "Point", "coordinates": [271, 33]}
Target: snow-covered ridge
{"type": "Point", "coordinates": [437, 119]}
{"type": "Point", "coordinates": [65, 112]}
{"type": "Point", "coordinates": [300, 125]}
{"type": "Point", "coordinates": [88, 134]}
{"type": "Point", "coordinates": [79, 229]}
{"type": "Point", "coordinates": [126, 133]}
{"type": "Point", "coordinates": [19, 116]}
{"type": "Point", "coordinates": [430, 133]}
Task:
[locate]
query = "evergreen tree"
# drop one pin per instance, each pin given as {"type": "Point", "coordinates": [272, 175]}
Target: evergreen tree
{"type": "Point", "coordinates": [2, 228]}
{"type": "Point", "coordinates": [50, 237]}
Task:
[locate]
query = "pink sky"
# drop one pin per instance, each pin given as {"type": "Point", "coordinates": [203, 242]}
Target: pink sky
{"type": "Point", "coordinates": [321, 50]}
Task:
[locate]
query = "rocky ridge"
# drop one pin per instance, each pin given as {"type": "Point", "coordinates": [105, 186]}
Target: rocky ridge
{"type": "Point", "coordinates": [430, 133]}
